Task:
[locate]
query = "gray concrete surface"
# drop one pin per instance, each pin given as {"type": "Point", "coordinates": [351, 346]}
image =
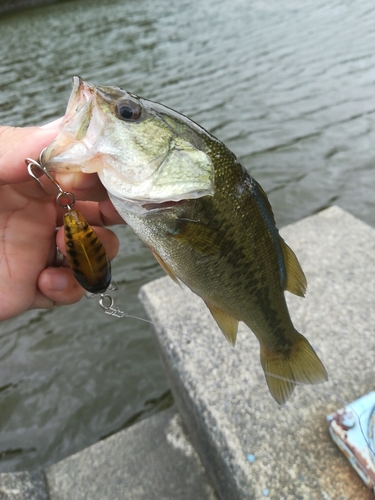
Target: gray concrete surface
{"type": "Point", "coordinates": [23, 486]}
{"type": "Point", "coordinates": [153, 459]}
{"type": "Point", "coordinates": [221, 392]}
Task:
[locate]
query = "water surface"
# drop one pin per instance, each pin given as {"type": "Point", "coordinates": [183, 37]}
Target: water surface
{"type": "Point", "coordinates": [287, 85]}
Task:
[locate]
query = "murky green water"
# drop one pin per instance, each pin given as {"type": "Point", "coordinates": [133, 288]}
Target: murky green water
{"type": "Point", "coordinates": [289, 86]}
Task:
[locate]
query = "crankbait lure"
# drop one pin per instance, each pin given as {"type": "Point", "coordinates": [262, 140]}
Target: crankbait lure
{"type": "Point", "coordinates": [85, 252]}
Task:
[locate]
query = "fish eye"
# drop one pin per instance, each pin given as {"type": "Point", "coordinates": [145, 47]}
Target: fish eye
{"type": "Point", "coordinates": [128, 110]}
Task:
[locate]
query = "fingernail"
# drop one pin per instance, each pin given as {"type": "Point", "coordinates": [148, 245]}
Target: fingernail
{"type": "Point", "coordinates": [57, 282]}
{"type": "Point", "coordinates": [54, 125]}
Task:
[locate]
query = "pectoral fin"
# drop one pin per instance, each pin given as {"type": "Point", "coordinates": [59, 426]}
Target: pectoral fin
{"type": "Point", "coordinates": [197, 235]}
{"type": "Point", "coordinates": [166, 268]}
{"type": "Point", "coordinates": [227, 324]}
{"type": "Point", "coordinates": [295, 278]}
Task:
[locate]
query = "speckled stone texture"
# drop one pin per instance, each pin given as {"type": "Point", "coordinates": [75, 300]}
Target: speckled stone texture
{"type": "Point", "coordinates": [23, 486]}
{"type": "Point", "coordinates": [153, 459]}
{"type": "Point", "coordinates": [251, 447]}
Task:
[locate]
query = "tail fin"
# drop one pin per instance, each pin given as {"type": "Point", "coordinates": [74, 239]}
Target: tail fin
{"type": "Point", "coordinates": [284, 371]}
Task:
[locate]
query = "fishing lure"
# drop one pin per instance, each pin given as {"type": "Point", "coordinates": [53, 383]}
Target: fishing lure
{"type": "Point", "coordinates": [85, 252]}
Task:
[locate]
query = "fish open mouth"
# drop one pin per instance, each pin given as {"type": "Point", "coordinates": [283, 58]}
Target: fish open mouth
{"type": "Point", "coordinates": [161, 206]}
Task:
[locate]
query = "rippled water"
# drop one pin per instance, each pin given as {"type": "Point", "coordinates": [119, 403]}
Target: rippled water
{"type": "Point", "coordinates": [287, 85]}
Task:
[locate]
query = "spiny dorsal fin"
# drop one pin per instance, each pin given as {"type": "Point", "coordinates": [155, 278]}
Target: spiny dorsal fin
{"type": "Point", "coordinates": [266, 201]}
{"type": "Point", "coordinates": [227, 324]}
{"type": "Point", "coordinates": [295, 278]}
{"type": "Point", "coordinates": [166, 268]}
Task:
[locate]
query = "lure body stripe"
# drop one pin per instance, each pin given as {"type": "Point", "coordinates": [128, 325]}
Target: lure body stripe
{"type": "Point", "coordinates": [86, 254]}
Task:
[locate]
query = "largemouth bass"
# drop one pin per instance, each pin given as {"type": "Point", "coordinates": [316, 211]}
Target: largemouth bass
{"type": "Point", "coordinates": [206, 220]}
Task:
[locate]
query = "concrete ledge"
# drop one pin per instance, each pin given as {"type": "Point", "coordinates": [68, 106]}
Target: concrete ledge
{"type": "Point", "coordinates": [150, 460]}
{"type": "Point", "coordinates": [153, 459]}
{"type": "Point", "coordinates": [23, 486]}
{"type": "Point", "coordinates": [250, 447]}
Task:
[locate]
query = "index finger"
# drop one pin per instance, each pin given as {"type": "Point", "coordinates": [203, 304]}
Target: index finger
{"type": "Point", "coordinates": [18, 143]}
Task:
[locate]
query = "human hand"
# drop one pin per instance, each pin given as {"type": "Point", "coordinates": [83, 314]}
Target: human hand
{"type": "Point", "coordinates": [28, 220]}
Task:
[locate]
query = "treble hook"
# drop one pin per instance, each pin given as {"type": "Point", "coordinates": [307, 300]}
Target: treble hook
{"type": "Point", "coordinates": [85, 252]}
{"type": "Point", "coordinates": [30, 163]}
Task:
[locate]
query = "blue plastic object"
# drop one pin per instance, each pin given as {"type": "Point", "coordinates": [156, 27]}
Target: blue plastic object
{"type": "Point", "coordinates": [353, 430]}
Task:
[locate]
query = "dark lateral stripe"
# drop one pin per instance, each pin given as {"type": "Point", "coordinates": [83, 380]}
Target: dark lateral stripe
{"type": "Point", "coordinates": [102, 268]}
{"type": "Point", "coordinates": [100, 257]}
{"type": "Point", "coordinates": [98, 249]}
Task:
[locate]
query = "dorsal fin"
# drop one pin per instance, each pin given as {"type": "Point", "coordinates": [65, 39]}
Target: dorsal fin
{"type": "Point", "coordinates": [227, 324]}
{"type": "Point", "coordinates": [166, 268]}
{"type": "Point", "coordinates": [295, 278]}
{"type": "Point", "coordinates": [266, 201]}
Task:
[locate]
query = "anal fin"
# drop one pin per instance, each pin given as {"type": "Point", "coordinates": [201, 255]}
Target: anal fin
{"type": "Point", "coordinates": [166, 268]}
{"type": "Point", "coordinates": [227, 324]}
